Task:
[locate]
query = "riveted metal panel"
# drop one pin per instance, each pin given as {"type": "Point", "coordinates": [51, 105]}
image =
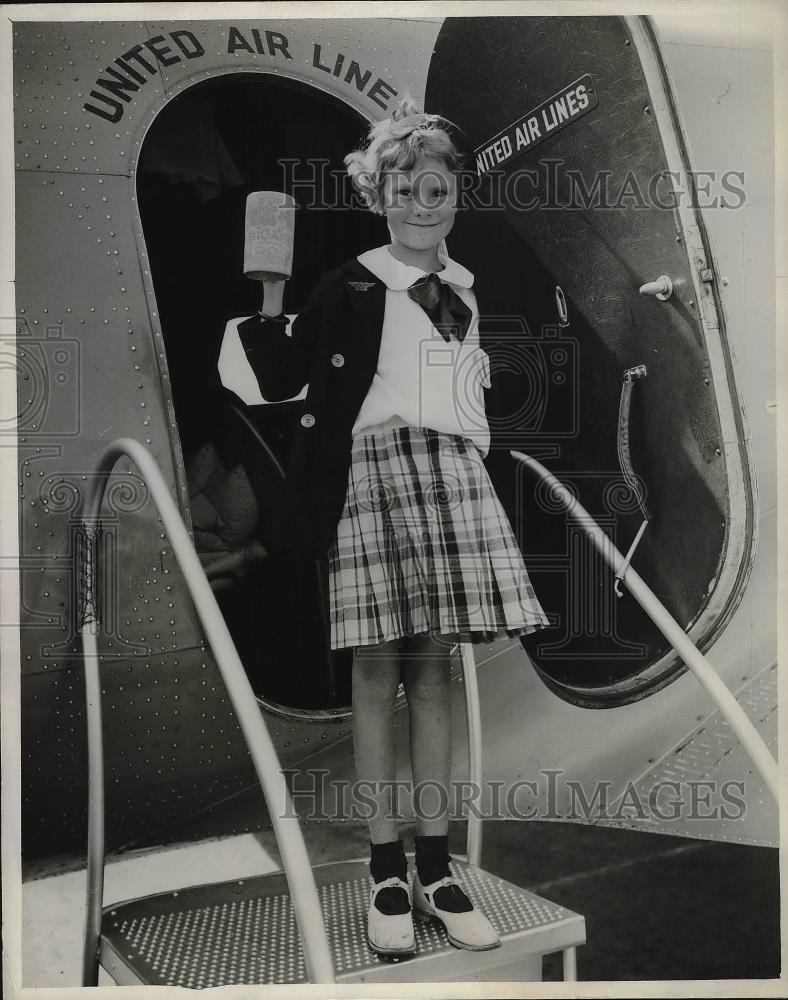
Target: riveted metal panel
{"type": "Point", "coordinates": [79, 277]}
{"type": "Point", "coordinates": [91, 371]}
{"type": "Point", "coordinates": [730, 801]}
{"type": "Point", "coordinates": [92, 367]}
{"type": "Point", "coordinates": [57, 66]}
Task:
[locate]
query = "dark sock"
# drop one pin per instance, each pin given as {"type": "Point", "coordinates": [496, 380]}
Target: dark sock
{"type": "Point", "coordinates": [386, 860]}
{"type": "Point", "coordinates": [432, 863]}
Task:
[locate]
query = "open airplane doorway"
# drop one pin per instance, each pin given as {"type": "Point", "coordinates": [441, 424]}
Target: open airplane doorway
{"type": "Point", "coordinates": [206, 150]}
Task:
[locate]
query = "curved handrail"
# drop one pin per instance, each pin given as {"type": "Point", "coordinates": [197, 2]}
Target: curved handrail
{"type": "Point", "coordinates": [295, 860]}
{"type": "Point", "coordinates": [731, 710]}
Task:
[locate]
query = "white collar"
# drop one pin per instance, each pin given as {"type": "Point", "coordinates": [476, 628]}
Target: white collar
{"type": "Point", "coordinates": [398, 276]}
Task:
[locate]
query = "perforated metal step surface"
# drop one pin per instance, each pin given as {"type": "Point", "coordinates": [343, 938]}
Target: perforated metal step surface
{"type": "Point", "coordinates": [244, 932]}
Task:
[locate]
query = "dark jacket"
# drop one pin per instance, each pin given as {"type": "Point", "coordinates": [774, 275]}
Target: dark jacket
{"type": "Point", "coordinates": [334, 347]}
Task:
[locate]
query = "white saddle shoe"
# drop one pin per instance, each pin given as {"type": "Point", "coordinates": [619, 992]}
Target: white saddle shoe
{"type": "Point", "coordinates": [390, 933]}
{"type": "Point", "coordinates": [471, 930]}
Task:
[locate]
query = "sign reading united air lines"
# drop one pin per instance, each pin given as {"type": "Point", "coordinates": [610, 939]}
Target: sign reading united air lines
{"type": "Point", "coordinates": [535, 126]}
{"type": "Point", "coordinates": [115, 88]}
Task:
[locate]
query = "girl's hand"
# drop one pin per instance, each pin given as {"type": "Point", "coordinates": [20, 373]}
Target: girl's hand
{"type": "Point", "coordinates": [273, 293]}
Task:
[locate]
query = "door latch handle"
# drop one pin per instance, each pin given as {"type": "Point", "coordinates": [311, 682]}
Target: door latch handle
{"type": "Point", "coordinates": [662, 287]}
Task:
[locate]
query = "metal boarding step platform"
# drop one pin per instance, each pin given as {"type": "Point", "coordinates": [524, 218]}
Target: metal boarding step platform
{"type": "Point", "coordinates": [244, 932]}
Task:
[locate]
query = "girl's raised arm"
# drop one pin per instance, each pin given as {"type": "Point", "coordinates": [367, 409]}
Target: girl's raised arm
{"type": "Point", "coordinates": [282, 363]}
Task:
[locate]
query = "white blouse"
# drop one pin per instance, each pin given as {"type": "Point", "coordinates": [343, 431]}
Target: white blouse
{"type": "Point", "coordinates": [421, 380]}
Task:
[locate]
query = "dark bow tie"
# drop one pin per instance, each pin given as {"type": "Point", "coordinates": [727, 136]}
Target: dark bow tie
{"type": "Point", "coordinates": [446, 310]}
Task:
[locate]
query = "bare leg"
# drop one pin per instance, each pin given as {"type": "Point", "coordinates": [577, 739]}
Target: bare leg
{"type": "Point", "coordinates": [427, 681]}
{"type": "Point", "coordinates": [375, 682]}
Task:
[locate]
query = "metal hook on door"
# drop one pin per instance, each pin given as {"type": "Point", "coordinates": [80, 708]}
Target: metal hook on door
{"type": "Point", "coordinates": [560, 302]}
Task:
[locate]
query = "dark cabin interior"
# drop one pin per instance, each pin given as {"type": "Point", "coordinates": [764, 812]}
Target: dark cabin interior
{"type": "Point", "coordinates": [207, 150]}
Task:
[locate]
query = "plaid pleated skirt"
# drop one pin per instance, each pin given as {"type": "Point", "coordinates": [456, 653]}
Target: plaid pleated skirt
{"type": "Point", "coordinates": [424, 546]}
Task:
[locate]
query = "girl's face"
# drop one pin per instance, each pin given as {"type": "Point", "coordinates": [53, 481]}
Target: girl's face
{"type": "Point", "coordinates": [420, 204]}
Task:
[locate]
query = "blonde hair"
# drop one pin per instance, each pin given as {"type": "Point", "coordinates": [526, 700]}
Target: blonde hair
{"type": "Point", "coordinates": [399, 143]}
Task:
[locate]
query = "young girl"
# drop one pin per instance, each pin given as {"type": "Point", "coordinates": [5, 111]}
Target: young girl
{"type": "Point", "coordinates": [387, 478]}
